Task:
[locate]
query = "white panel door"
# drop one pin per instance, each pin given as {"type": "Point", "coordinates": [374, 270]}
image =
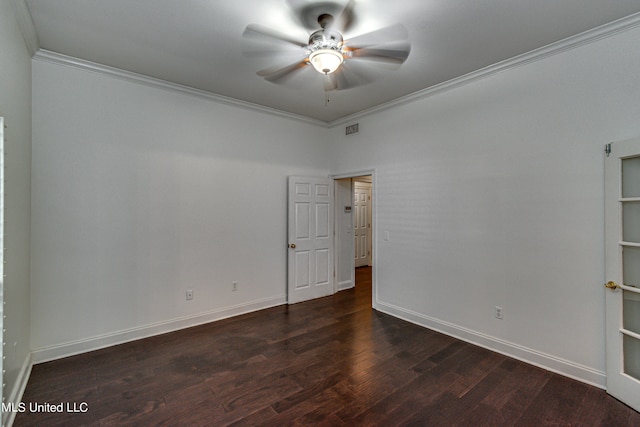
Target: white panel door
{"type": "Point", "coordinates": [362, 223]}
{"type": "Point", "coordinates": [622, 265]}
{"type": "Point", "coordinates": [310, 259]}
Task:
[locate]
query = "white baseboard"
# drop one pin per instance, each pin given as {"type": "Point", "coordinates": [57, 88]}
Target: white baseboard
{"type": "Point", "coordinates": [546, 361]}
{"type": "Point", "coordinates": [17, 391]}
{"type": "Point", "coordinates": [347, 284]}
{"type": "Point", "coordinates": [59, 351]}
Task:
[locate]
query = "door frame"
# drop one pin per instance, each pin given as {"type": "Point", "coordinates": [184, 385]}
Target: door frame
{"type": "Point", "coordinates": [374, 249]}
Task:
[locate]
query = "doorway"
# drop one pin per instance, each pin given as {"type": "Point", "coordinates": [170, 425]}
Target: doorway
{"type": "Point", "coordinates": [355, 231]}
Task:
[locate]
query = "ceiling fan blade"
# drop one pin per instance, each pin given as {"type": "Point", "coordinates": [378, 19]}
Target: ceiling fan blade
{"type": "Point", "coordinates": [280, 74]}
{"type": "Point", "coordinates": [349, 75]}
{"type": "Point", "coordinates": [340, 80]}
{"type": "Point", "coordinates": [380, 36]}
{"type": "Point", "coordinates": [395, 53]}
{"type": "Point", "coordinates": [357, 75]}
{"type": "Point", "coordinates": [346, 18]}
{"type": "Point", "coordinates": [261, 41]}
{"type": "Point", "coordinates": [330, 82]}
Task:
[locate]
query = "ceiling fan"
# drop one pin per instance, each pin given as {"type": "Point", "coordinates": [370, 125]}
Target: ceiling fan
{"type": "Point", "coordinates": [344, 63]}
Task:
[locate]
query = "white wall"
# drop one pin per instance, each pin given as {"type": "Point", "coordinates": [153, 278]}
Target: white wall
{"type": "Point", "coordinates": [15, 107]}
{"type": "Point", "coordinates": [140, 193]}
{"type": "Point", "coordinates": [492, 194]}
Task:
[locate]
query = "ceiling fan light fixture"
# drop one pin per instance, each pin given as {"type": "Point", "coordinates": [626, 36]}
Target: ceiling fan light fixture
{"type": "Point", "coordinates": [326, 60]}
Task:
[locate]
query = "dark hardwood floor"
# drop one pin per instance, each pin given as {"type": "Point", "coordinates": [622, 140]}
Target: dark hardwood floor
{"type": "Point", "coordinates": [332, 361]}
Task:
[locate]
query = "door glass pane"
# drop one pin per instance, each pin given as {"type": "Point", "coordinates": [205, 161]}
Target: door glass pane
{"type": "Point", "coordinates": [631, 310]}
{"type": "Point", "coordinates": [631, 222]}
{"type": "Point", "coordinates": [631, 356]}
{"type": "Point", "coordinates": [631, 266]}
{"type": "Point", "coordinates": [631, 177]}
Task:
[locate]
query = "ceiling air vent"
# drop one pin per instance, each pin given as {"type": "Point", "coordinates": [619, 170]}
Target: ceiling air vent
{"type": "Point", "coordinates": [351, 129]}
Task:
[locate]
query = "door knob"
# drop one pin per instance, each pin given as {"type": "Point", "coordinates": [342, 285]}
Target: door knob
{"type": "Point", "coordinates": [292, 245]}
{"type": "Point", "coordinates": [611, 285]}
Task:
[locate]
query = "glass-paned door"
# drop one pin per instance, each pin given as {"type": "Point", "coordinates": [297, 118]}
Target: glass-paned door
{"type": "Point", "coordinates": [622, 245]}
{"type": "Point", "coordinates": [2, 272]}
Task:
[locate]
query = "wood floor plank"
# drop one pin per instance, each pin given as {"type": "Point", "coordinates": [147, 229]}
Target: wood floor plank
{"type": "Point", "coordinates": [332, 361]}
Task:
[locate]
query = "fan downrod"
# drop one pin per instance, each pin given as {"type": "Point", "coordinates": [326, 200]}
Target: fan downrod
{"type": "Point", "coordinates": [325, 20]}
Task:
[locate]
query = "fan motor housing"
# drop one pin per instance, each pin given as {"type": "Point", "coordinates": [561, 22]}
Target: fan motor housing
{"type": "Point", "coordinates": [326, 39]}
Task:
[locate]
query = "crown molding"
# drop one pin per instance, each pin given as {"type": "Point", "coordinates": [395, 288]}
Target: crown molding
{"type": "Point", "coordinates": [587, 37]}
{"type": "Point", "coordinates": [25, 23]}
{"type": "Point", "coordinates": [69, 61]}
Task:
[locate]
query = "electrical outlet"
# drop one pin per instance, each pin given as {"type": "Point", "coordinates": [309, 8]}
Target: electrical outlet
{"type": "Point", "coordinates": [234, 286]}
{"type": "Point", "coordinates": [498, 312]}
{"type": "Point", "coordinates": [189, 295]}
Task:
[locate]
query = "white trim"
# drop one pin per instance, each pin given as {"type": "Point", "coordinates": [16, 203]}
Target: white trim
{"type": "Point", "coordinates": [633, 245]}
{"type": "Point", "coordinates": [356, 174]}
{"type": "Point", "coordinates": [60, 59]}
{"type": "Point", "coordinates": [25, 23]}
{"type": "Point", "coordinates": [546, 361]}
{"type": "Point", "coordinates": [630, 334]}
{"type": "Point", "coordinates": [59, 351]}
{"type": "Point", "coordinates": [569, 43]}
{"type": "Point", "coordinates": [347, 284]}
{"type": "Point", "coordinates": [18, 391]}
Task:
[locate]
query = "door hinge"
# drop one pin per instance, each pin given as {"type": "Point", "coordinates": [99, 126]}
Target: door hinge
{"type": "Point", "coordinates": [607, 149]}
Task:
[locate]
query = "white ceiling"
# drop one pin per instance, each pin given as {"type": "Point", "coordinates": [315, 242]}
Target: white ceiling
{"type": "Point", "coordinates": [198, 43]}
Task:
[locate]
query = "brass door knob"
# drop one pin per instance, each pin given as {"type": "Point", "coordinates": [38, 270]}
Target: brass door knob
{"type": "Point", "coordinates": [292, 245]}
{"type": "Point", "coordinates": [611, 285]}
